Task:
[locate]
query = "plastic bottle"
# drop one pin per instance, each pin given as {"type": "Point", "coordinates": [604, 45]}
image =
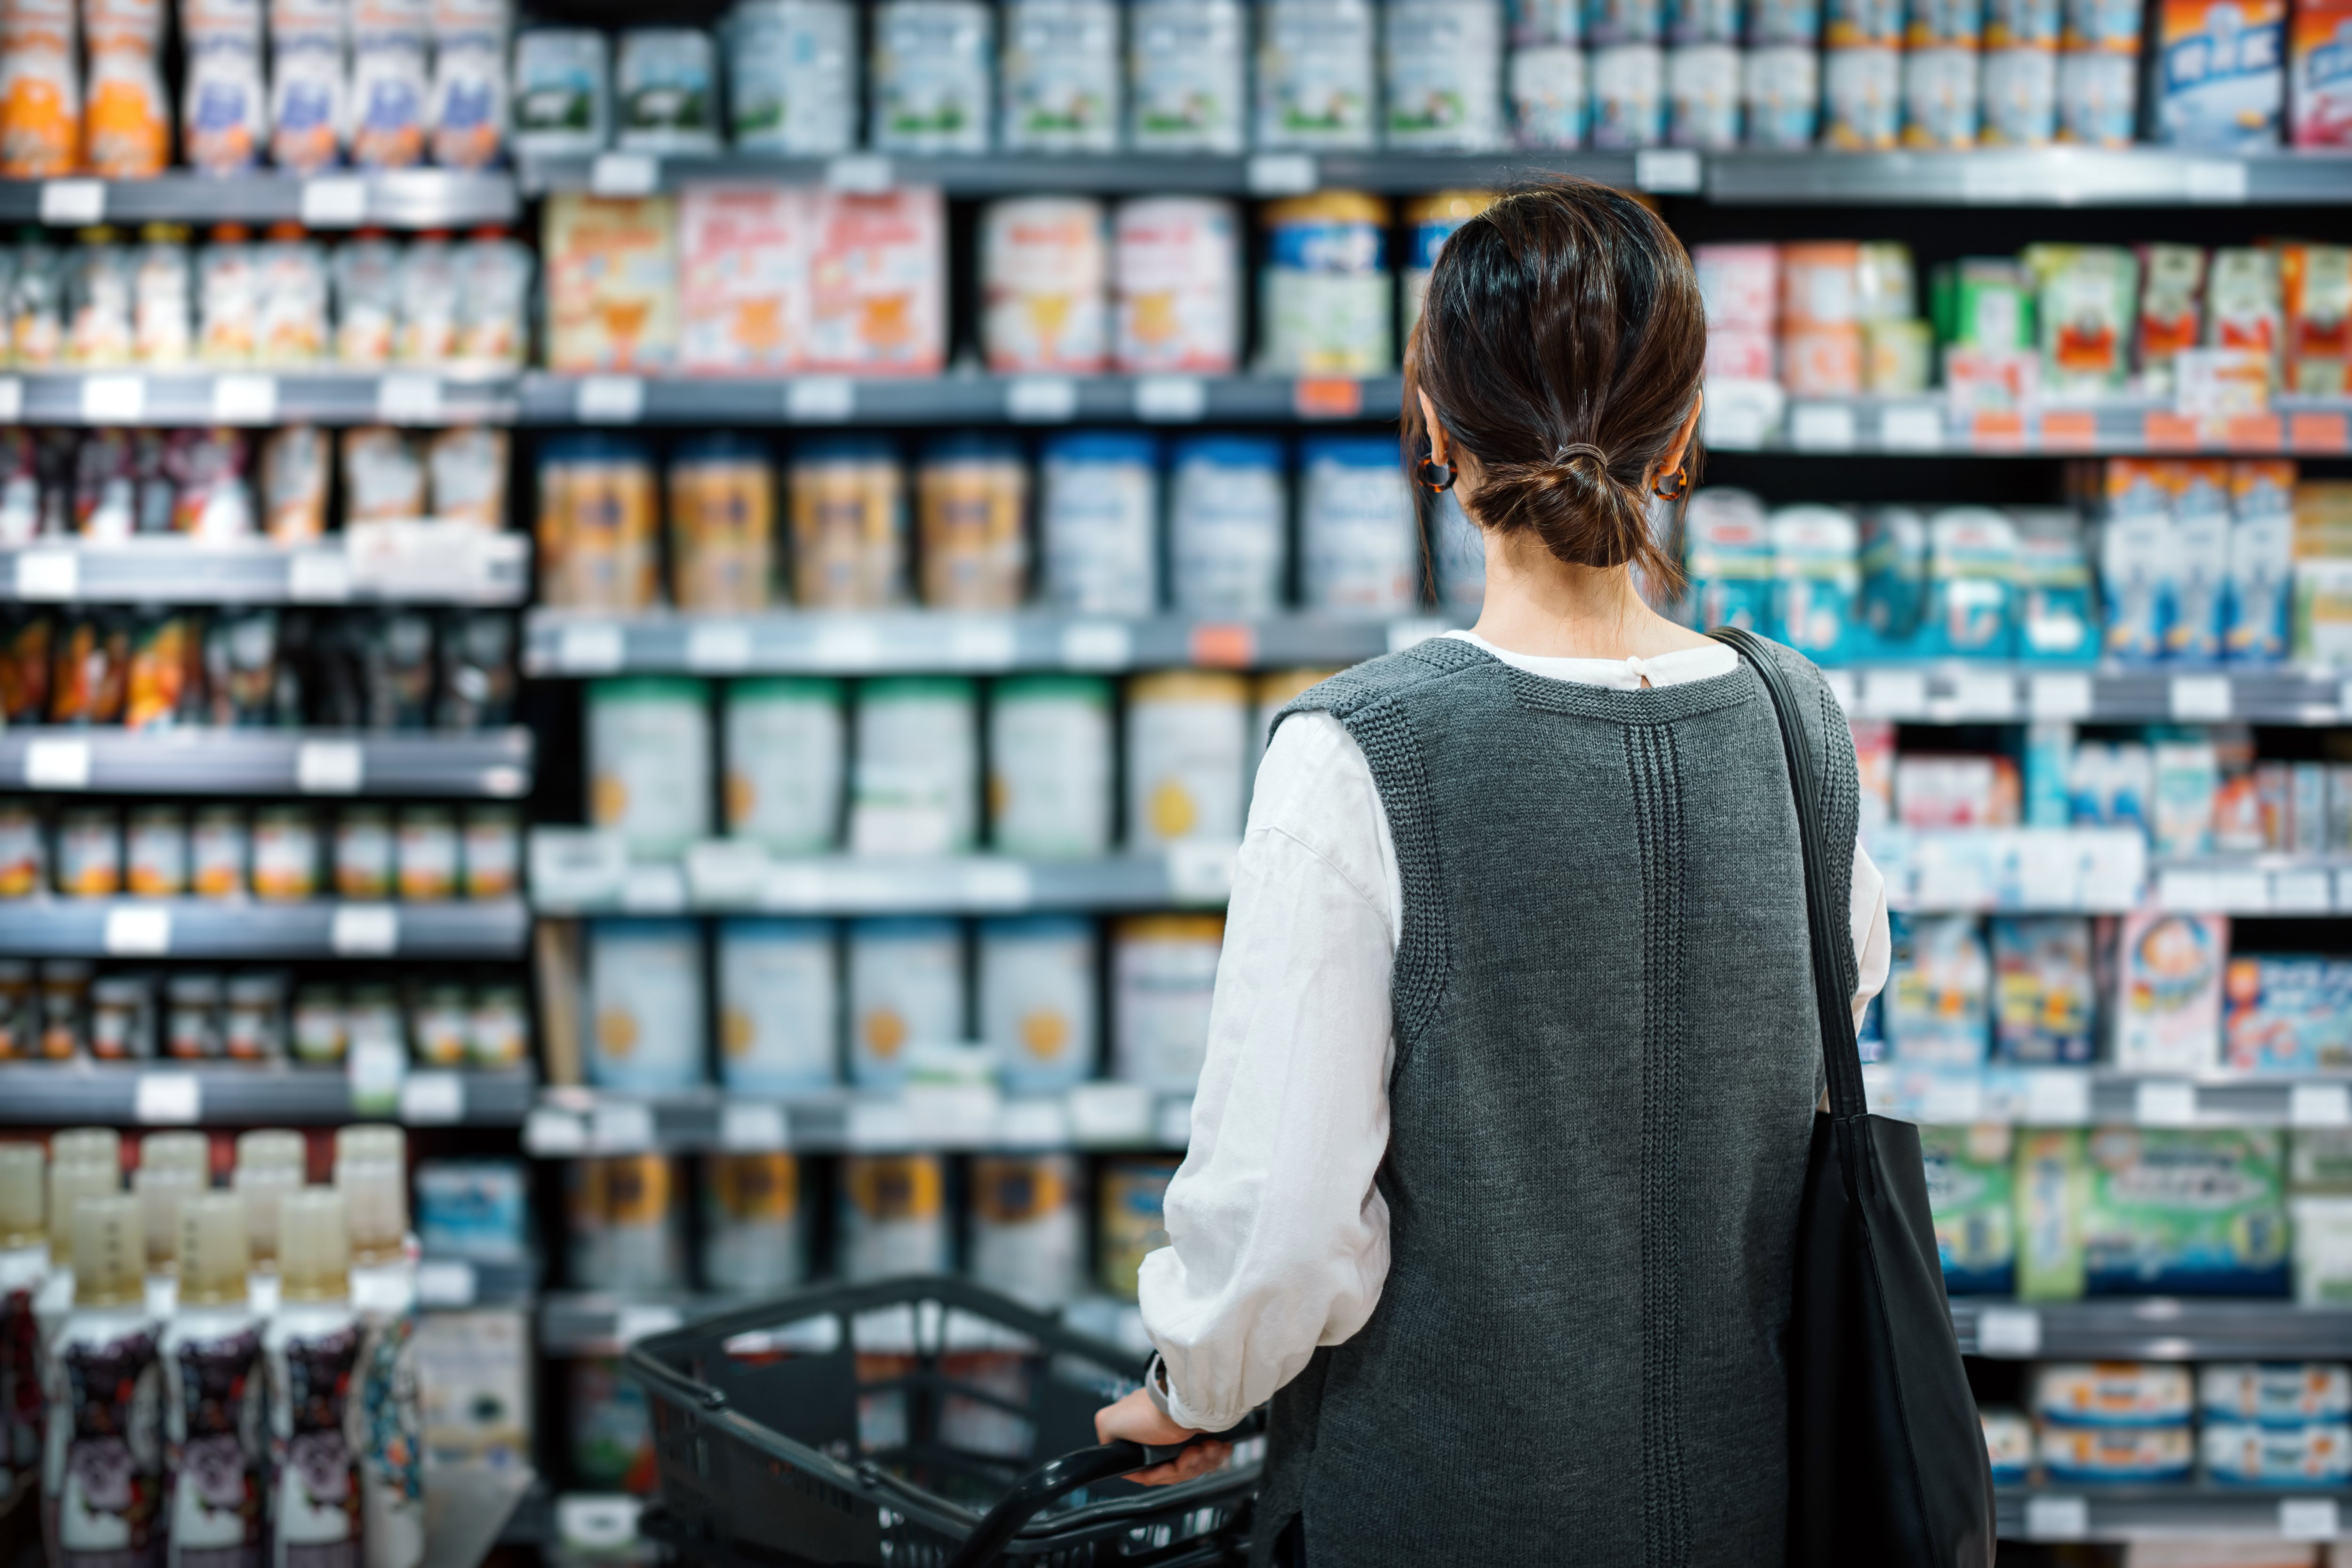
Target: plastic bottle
{"type": "Point", "coordinates": [173, 1168]}
{"type": "Point", "coordinates": [269, 1164]}
{"type": "Point", "coordinates": [313, 1348]}
{"type": "Point", "coordinates": [23, 1265]}
{"type": "Point", "coordinates": [214, 1449]}
{"type": "Point", "coordinates": [40, 98]}
{"type": "Point", "coordinates": [128, 117]}
{"type": "Point", "coordinates": [371, 1173]}
{"type": "Point", "coordinates": [223, 103]}
{"type": "Point", "coordinates": [102, 1474]}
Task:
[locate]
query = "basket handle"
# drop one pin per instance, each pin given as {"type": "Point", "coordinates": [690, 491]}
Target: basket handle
{"type": "Point", "coordinates": [1048, 1482]}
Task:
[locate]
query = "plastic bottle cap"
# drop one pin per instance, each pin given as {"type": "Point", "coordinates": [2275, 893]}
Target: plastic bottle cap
{"type": "Point", "coordinates": [69, 1181]}
{"type": "Point", "coordinates": [272, 1147]}
{"type": "Point", "coordinates": [23, 1199]}
{"type": "Point", "coordinates": [376, 1192]}
{"type": "Point", "coordinates": [96, 1145]}
{"type": "Point", "coordinates": [314, 1248]}
{"type": "Point", "coordinates": [263, 1189]}
{"type": "Point", "coordinates": [190, 1151]}
{"type": "Point", "coordinates": [213, 1255]}
{"type": "Point", "coordinates": [163, 1190]}
{"type": "Point", "coordinates": [109, 1251]}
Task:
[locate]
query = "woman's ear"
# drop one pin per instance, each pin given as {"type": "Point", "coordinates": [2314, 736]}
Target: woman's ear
{"type": "Point", "coordinates": [1673, 459]}
{"type": "Point", "coordinates": [1437, 441]}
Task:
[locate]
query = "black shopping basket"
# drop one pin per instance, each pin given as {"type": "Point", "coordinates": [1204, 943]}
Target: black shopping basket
{"type": "Point", "coordinates": [882, 1424]}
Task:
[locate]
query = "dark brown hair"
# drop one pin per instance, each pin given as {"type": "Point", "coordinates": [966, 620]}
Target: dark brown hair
{"type": "Point", "coordinates": [1561, 345]}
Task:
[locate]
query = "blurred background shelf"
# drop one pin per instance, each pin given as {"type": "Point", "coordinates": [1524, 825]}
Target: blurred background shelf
{"type": "Point", "coordinates": [315, 928]}
{"type": "Point", "coordinates": [2135, 1513]}
{"type": "Point", "coordinates": [426, 562]}
{"type": "Point", "coordinates": [567, 1122]}
{"type": "Point", "coordinates": [406, 198]}
{"type": "Point", "coordinates": [2150, 1328]}
{"type": "Point", "coordinates": [124, 1094]}
{"type": "Point", "coordinates": [324, 395]}
{"type": "Point", "coordinates": [2085, 1096]}
{"type": "Point", "coordinates": [1750, 416]}
{"type": "Point", "coordinates": [496, 764]}
{"type": "Point", "coordinates": [546, 398]}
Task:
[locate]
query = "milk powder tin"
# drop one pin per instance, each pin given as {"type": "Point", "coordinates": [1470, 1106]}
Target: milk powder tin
{"type": "Point", "coordinates": [1771, 22]}
{"type": "Point", "coordinates": [1049, 783]}
{"type": "Point", "coordinates": [2021, 97]}
{"type": "Point", "coordinates": [644, 1003]}
{"type": "Point", "coordinates": [1704, 22]}
{"type": "Point", "coordinates": [156, 862]}
{"type": "Point", "coordinates": [2098, 98]}
{"type": "Point", "coordinates": [1359, 548]}
{"type": "Point", "coordinates": [216, 852]}
{"type": "Point", "coordinates": [1188, 71]}
{"type": "Point", "coordinates": [1704, 87]}
{"type": "Point", "coordinates": [562, 92]}
{"type": "Point", "coordinates": [1442, 71]}
{"type": "Point", "coordinates": [783, 741]}
{"type": "Point", "coordinates": [596, 532]}
{"type": "Point", "coordinates": [623, 1223]}
{"type": "Point", "coordinates": [893, 1217]}
{"type": "Point", "coordinates": [440, 1023]}
{"type": "Point", "coordinates": [1163, 974]}
{"type": "Point", "coordinates": [1228, 512]}
{"type": "Point", "coordinates": [426, 852]}
{"type": "Point", "coordinates": [752, 1238]}
{"type": "Point", "coordinates": [1044, 281]}
{"type": "Point", "coordinates": [90, 852]}
{"type": "Point", "coordinates": [1853, 23]}
{"type": "Point", "coordinates": [1187, 734]}
{"type": "Point", "coordinates": [722, 526]}
{"type": "Point", "coordinates": [1099, 518]}
{"type": "Point", "coordinates": [1609, 22]}
{"type": "Point", "coordinates": [24, 857]}
{"type": "Point", "coordinates": [1037, 1000]}
{"type": "Point", "coordinates": [1628, 96]}
{"type": "Point", "coordinates": [1940, 96]}
{"type": "Point", "coordinates": [906, 987]}
{"type": "Point", "coordinates": [1133, 1215]}
{"type": "Point", "coordinates": [1325, 292]}
{"type": "Point", "coordinates": [1315, 80]}
{"type": "Point", "coordinates": [932, 75]}
{"type": "Point", "coordinates": [1061, 76]}
{"type": "Point", "coordinates": [779, 1004]}
{"type": "Point", "coordinates": [318, 1031]}
{"type": "Point", "coordinates": [666, 86]}
{"type": "Point", "coordinates": [1537, 23]}
{"type": "Point", "coordinates": [1547, 95]}
{"type": "Point", "coordinates": [1177, 273]}
{"type": "Point", "coordinates": [916, 780]}
{"type": "Point", "coordinates": [1027, 1237]}
{"type": "Point", "coordinates": [792, 76]}
{"type": "Point", "coordinates": [1782, 84]}
{"type": "Point", "coordinates": [1862, 88]}
{"type": "Point", "coordinates": [849, 525]}
{"type": "Point", "coordinates": [972, 505]}
{"type": "Point", "coordinates": [649, 762]}
{"type": "Point", "coordinates": [2018, 24]}
{"type": "Point", "coordinates": [498, 1030]}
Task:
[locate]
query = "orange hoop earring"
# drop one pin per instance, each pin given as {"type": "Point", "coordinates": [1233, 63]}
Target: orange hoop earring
{"type": "Point", "coordinates": [1681, 477]}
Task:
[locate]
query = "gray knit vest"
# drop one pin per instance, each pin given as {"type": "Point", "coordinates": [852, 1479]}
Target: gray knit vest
{"type": "Point", "coordinates": [1607, 1059]}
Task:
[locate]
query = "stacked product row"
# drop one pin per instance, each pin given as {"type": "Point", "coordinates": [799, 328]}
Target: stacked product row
{"type": "Point", "coordinates": [1108, 523]}
{"type": "Point", "coordinates": [2052, 1215]}
{"type": "Point", "coordinates": [2267, 1424]}
{"type": "Point", "coordinates": [273, 853]}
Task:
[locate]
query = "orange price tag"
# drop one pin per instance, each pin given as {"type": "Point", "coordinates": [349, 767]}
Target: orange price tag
{"type": "Point", "coordinates": [2165, 432]}
{"type": "Point", "coordinates": [1328, 396]}
{"type": "Point", "coordinates": [2251, 433]}
{"type": "Point", "coordinates": [2070, 429]}
{"type": "Point", "coordinates": [1998, 429]}
{"type": "Point", "coordinates": [2318, 432]}
{"type": "Point", "coordinates": [1224, 646]}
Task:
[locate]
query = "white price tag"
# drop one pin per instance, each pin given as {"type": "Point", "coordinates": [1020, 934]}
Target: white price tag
{"type": "Point", "coordinates": [2057, 1519]}
{"type": "Point", "coordinates": [1281, 175]}
{"type": "Point", "coordinates": [1110, 1113]}
{"type": "Point", "coordinates": [1097, 645]}
{"type": "Point", "coordinates": [1952, 1100]}
{"type": "Point", "coordinates": [1984, 694]}
{"type": "Point", "coordinates": [1041, 399]}
{"type": "Point", "coordinates": [1668, 171]}
{"type": "Point", "coordinates": [445, 1282]}
{"type": "Point", "coordinates": [12, 400]}
{"type": "Point", "coordinates": [376, 1070]}
{"type": "Point", "coordinates": [408, 399]}
{"type": "Point", "coordinates": [321, 577]}
{"type": "Point", "coordinates": [2310, 1519]}
{"type": "Point", "coordinates": [334, 201]}
{"type": "Point", "coordinates": [2216, 180]}
{"type": "Point", "coordinates": [725, 872]}
{"type": "Point", "coordinates": [1171, 399]}
{"type": "Point", "coordinates": [2320, 1105]}
{"type": "Point", "coordinates": [1821, 426]}
{"type": "Point", "coordinates": [596, 648]}
{"type": "Point", "coordinates": [751, 1129]}
{"type": "Point", "coordinates": [634, 1324]}
{"type": "Point", "coordinates": [623, 174]}
{"type": "Point", "coordinates": [599, 1524]}
{"type": "Point", "coordinates": [2013, 1333]}
{"type": "Point", "coordinates": [2165, 1103]}
{"type": "Point", "coordinates": [861, 173]}
{"type": "Point", "coordinates": [1200, 870]}
{"type": "Point", "coordinates": [609, 400]}
{"type": "Point", "coordinates": [1894, 694]}
{"type": "Point", "coordinates": [2200, 699]}
{"type": "Point", "coordinates": [1032, 1123]}
{"type": "Point", "coordinates": [622, 1127]}
{"type": "Point", "coordinates": [2240, 892]}
{"type": "Point", "coordinates": [364, 931]}
{"type": "Point", "coordinates": [113, 399]}
{"type": "Point", "coordinates": [846, 645]}
{"type": "Point", "coordinates": [245, 400]}
{"type": "Point", "coordinates": [433, 1099]}
{"type": "Point", "coordinates": [1175, 1122]}
{"type": "Point", "coordinates": [653, 889]}
{"type": "Point", "coordinates": [53, 762]}
{"type": "Point", "coordinates": [330, 768]}
{"type": "Point", "coordinates": [820, 399]}
{"type": "Point", "coordinates": [138, 930]}
{"type": "Point", "coordinates": [73, 204]}
{"type": "Point", "coordinates": [880, 1124]}
{"type": "Point", "coordinates": [50, 574]}
{"type": "Point", "coordinates": [982, 644]}
{"type": "Point", "coordinates": [720, 647]}
{"type": "Point", "coordinates": [549, 1133]}
{"type": "Point", "coordinates": [167, 1098]}
{"type": "Point", "coordinates": [2057, 1096]}
{"type": "Point", "coordinates": [1911, 428]}
{"type": "Point", "coordinates": [2310, 892]}
{"type": "Point", "coordinates": [2056, 697]}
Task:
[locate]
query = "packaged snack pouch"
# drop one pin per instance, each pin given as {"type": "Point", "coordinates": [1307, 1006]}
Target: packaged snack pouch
{"type": "Point", "coordinates": [2316, 285]}
{"type": "Point", "coordinates": [223, 103]}
{"type": "Point", "coordinates": [2171, 311]}
{"type": "Point", "coordinates": [2219, 78]}
{"type": "Point", "coordinates": [428, 304]}
{"type": "Point", "coordinates": [366, 271]}
{"type": "Point", "coordinates": [744, 257]}
{"type": "Point", "coordinates": [293, 298]}
{"type": "Point", "coordinates": [493, 296]}
{"type": "Point", "coordinates": [40, 100]}
{"type": "Point", "coordinates": [611, 282]}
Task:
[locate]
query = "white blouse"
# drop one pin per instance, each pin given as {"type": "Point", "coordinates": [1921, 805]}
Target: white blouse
{"type": "Point", "coordinates": [1279, 1241]}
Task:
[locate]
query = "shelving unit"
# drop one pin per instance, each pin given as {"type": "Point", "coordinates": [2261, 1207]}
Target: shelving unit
{"type": "Point", "coordinates": [426, 562]}
{"type": "Point", "coordinates": [322, 395]}
{"type": "Point", "coordinates": [124, 1094]}
{"type": "Point", "coordinates": [2142, 1513]}
{"type": "Point", "coordinates": [2156, 1328]}
{"type": "Point", "coordinates": [490, 764]}
{"type": "Point", "coordinates": [1108, 1116]}
{"type": "Point", "coordinates": [2086, 1096]}
{"type": "Point", "coordinates": [314, 927]}
{"type": "Point", "coordinates": [405, 198]}
{"type": "Point", "coordinates": [1929, 426]}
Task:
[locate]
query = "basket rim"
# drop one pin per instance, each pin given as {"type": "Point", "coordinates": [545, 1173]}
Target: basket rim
{"type": "Point", "coordinates": [642, 1362]}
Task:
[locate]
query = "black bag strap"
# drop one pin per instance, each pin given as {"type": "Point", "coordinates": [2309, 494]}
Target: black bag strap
{"type": "Point", "coordinates": [1841, 1056]}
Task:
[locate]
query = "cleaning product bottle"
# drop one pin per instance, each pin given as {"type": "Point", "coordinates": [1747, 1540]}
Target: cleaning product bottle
{"type": "Point", "coordinates": [24, 1264]}
{"type": "Point", "coordinates": [270, 1163]}
{"type": "Point", "coordinates": [216, 1455]}
{"type": "Point", "coordinates": [312, 1346]}
{"type": "Point", "coordinates": [103, 1471]}
{"type": "Point", "coordinates": [371, 1172]}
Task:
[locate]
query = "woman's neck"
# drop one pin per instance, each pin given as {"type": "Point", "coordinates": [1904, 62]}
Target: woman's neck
{"type": "Point", "coordinates": [1537, 603]}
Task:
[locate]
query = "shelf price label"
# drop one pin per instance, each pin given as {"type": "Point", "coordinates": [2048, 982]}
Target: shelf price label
{"type": "Point", "coordinates": [1895, 693]}
{"type": "Point", "coordinates": [859, 174]}
{"type": "Point", "coordinates": [592, 648]}
{"type": "Point", "coordinates": [1109, 1113]}
{"type": "Point", "coordinates": [245, 400]}
{"type": "Point", "coordinates": [167, 1100]}
{"type": "Point", "coordinates": [137, 930]}
{"type": "Point", "coordinates": [433, 1100]}
{"type": "Point", "coordinates": [719, 647]}
{"type": "Point", "coordinates": [2214, 180]}
{"type": "Point", "coordinates": [1668, 171]}
{"type": "Point", "coordinates": [621, 1127]}
{"type": "Point", "coordinates": [445, 1282]}
{"type": "Point", "coordinates": [1911, 428]}
{"type": "Point", "coordinates": [609, 400]}
{"type": "Point", "coordinates": [549, 1132]}
{"type": "Point", "coordinates": [2057, 1519]}
{"type": "Point", "coordinates": [2320, 1105]}
{"type": "Point", "coordinates": [378, 1072]}
{"type": "Point", "coordinates": [408, 399]}
{"type": "Point", "coordinates": [2165, 1103]}
{"type": "Point", "coordinates": [73, 204]}
{"type": "Point", "coordinates": [2012, 1334]}
{"type": "Point", "coordinates": [1282, 175]}
{"type": "Point", "coordinates": [2310, 1519]}
{"type": "Point", "coordinates": [1822, 428]}
{"type": "Point", "coordinates": [751, 1129]}
{"type": "Point", "coordinates": [320, 576]}
{"type": "Point", "coordinates": [2065, 696]}
{"type": "Point", "coordinates": [53, 762]}
{"type": "Point", "coordinates": [334, 201]}
{"type": "Point", "coordinates": [1097, 645]}
{"type": "Point", "coordinates": [820, 399]}
{"type": "Point", "coordinates": [113, 399]}
{"type": "Point", "coordinates": [595, 1524]}
{"type": "Point", "coordinates": [2057, 1096]}
{"type": "Point", "coordinates": [2200, 699]}
{"type": "Point", "coordinates": [51, 575]}
{"type": "Point", "coordinates": [1041, 399]}
{"type": "Point", "coordinates": [1200, 870]}
{"type": "Point", "coordinates": [1171, 399]}
{"type": "Point", "coordinates": [623, 174]}
{"type": "Point", "coordinates": [330, 768]}
{"type": "Point", "coordinates": [364, 931]}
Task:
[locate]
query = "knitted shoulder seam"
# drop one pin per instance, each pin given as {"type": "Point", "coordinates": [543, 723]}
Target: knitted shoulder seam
{"type": "Point", "coordinates": [1424, 954]}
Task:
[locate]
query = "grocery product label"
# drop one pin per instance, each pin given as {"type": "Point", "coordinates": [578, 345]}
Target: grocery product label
{"type": "Point", "coordinates": [1061, 76]}
{"type": "Point", "coordinates": [1187, 65]}
{"type": "Point", "coordinates": [1442, 73]}
{"type": "Point", "coordinates": [1315, 74]}
{"type": "Point", "coordinates": [932, 75]}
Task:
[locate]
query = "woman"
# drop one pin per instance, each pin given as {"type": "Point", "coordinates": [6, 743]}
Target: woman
{"type": "Point", "coordinates": [1514, 1056]}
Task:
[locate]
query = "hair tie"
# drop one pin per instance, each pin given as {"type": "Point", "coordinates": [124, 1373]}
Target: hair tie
{"type": "Point", "coordinates": [1566, 456]}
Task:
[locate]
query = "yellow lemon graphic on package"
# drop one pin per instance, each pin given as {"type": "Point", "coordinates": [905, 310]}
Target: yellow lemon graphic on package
{"type": "Point", "coordinates": [1045, 1032]}
{"type": "Point", "coordinates": [616, 1031]}
{"type": "Point", "coordinates": [735, 1032]}
{"type": "Point", "coordinates": [1173, 814]}
{"type": "Point", "coordinates": [886, 1031]}
{"type": "Point", "coordinates": [610, 799]}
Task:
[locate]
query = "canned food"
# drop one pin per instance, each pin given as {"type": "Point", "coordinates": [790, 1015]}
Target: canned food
{"type": "Point", "coordinates": [1862, 88]}
{"type": "Point", "coordinates": [893, 1217]}
{"type": "Point", "coordinates": [1187, 734]}
{"type": "Point", "coordinates": [973, 503]}
{"type": "Point", "coordinates": [65, 1009]}
{"type": "Point", "coordinates": [645, 992]}
{"type": "Point", "coordinates": [906, 987]}
{"type": "Point", "coordinates": [1940, 96]}
{"type": "Point", "coordinates": [1061, 76]}
{"type": "Point", "coordinates": [722, 526]}
{"type": "Point", "coordinates": [932, 75]}
{"type": "Point", "coordinates": [624, 1232]}
{"type": "Point", "coordinates": [1176, 264]}
{"type": "Point", "coordinates": [1188, 67]}
{"type": "Point", "coordinates": [1628, 96]}
{"type": "Point", "coordinates": [849, 525]}
{"type": "Point", "coordinates": [319, 1034]}
{"type": "Point", "coordinates": [1027, 1239]}
{"type": "Point", "coordinates": [427, 849]}
{"type": "Point", "coordinates": [23, 861]}
{"type": "Point", "coordinates": [1315, 75]}
{"type": "Point", "coordinates": [1704, 88]}
{"type": "Point", "coordinates": [597, 524]}
{"type": "Point", "coordinates": [1782, 86]}
{"type": "Point", "coordinates": [90, 852]}
{"type": "Point", "coordinates": [1134, 1220]}
{"type": "Point", "coordinates": [1325, 308]}
{"type": "Point", "coordinates": [158, 851]}
{"type": "Point", "coordinates": [783, 744]}
{"type": "Point", "coordinates": [792, 76]}
{"type": "Point", "coordinates": [441, 1025]}
{"type": "Point", "coordinates": [1163, 976]}
{"type": "Point", "coordinates": [490, 851]}
{"type": "Point", "coordinates": [284, 852]}
{"type": "Point", "coordinates": [498, 1033]}
{"type": "Point", "coordinates": [1049, 783]}
{"type": "Point", "coordinates": [1037, 1000]}
{"type": "Point", "coordinates": [216, 852]}
{"type": "Point", "coordinates": [1044, 283]}
{"type": "Point", "coordinates": [1548, 95]}
{"type": "Point", "coordinates": [192, 1019]}
{"type": "Point", "coordinates": [364, 852]}
{"type": "Point", "coordinates": [1442, 72]}
{"type": "Point", "coordinates": [1099, 523]}
{"type": "Point", "coordinates": [915, 783]}
{"type": "Point", "coordinates": [779, 1004]}
{"type": "Point", "coordinates": [1430, 222]}
{"type": "Point", "coordinates": [122, 1018]}
{"type": "Point", "coordinates": [1228, 512]}
{"type": "Point", "coordinates": [649, 762]}
{"type": "Point", "coordinates": [1358, 546]}
{"type": "Point", "coordinates": [252, 1024]}
{"type": "Point", "coordinates": [751, 1225]}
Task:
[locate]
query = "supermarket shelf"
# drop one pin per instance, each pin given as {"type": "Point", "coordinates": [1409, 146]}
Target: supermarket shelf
{"type": "Point", "coordinates": [205, 928]}
{"type": "Point", "coordinates": [559, 642]}
{"type": "Point", "coordinates": [2139, 1513]}
{"type": "Point", "coordinates": [2087, 1096]}
{"type": "Point", "coordinates": [1966, 691]}
{"type": "Point", "coordinates": [494, 762]}
{"type": "Point", "coordinates": [424, 561]}
{"type": "Point", "coordinates": [2156, 1328]}
{"type": "Point", "coordinates": [224, 1094]}
{"type": "Point", "coordinates": [576, 1322]}
{"type": "Point", "coordinates": [1758, 416]}
{"type": "Point", "coordinates": [262, 397]}
{"type": "Point", "coordinates": [2037, 177]}
{"type": "Point", "coordinates": [956, 399]}
{"type": "Point", "coordinates": [407, 198]}
{"type": "Point", "coordinates": [568, 1122]}
{"type": "Point", "coordinates": [456, 1284]}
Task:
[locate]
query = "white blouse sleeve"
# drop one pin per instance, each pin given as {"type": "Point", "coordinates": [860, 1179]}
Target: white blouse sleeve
{"type": "Point", "coordinates": [1874, 944]}
{"type": "Point", "coordinates": [1279, 1240]}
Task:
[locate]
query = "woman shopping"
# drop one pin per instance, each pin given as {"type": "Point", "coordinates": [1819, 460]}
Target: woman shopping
{"type": "Point", "coordinates": [1497, 1160]}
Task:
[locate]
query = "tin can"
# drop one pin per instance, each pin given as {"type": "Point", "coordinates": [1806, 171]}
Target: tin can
{"type": "Point", "coordinates": [1704, 87]}
{"type": "Point", "coordinates": [597, 537]}
{"type": "Point", "coordinates": [644, 996]}
{"type": "Point", "coordinates": [752, 1238]}
{"type": "Point", "coordinates": [1049, 783]}
{"type": "Point", "coordinates": [893, 1217]}
{"type": "Point", "coordinates": [783, 740]}
{"type": "Point", "coordinates": [1864, 22]}
{"type": "Point", "coordinates": [906, 987]}
{"type": "Point", "coordinates": [1548, 95]}
{"type": "Point", "coordinates": [122, 1018]}
{"type": "Point", "coordinates": [649, 762]}
{"type": "Point", "coordinates": [1940, 103]}
{"type": "Point", "coordinates": [1703, 21]}
{"type": "Point", "coordinates": [1862, 90]}
{"type": "Point", "coordinates": [497, 1028]}
{"type": "Point", "coordinates": [192, 1018]}
{"type": "Point", "coordinates": [1187, 733]}
{"type": "Point", "coordinates": [2098, 98]}
{"type": "Point", "coordinates": [1324, 307]}
{"type": "Point", "coordinates": [932, 75]}
{"type": "Point", "coordinates": [1771, 22]}
{"type": "Point", "coordinates": [20, 1011]}
{"type": "Point", "coordinates": [665, 85]}
{"type": "Point", "coordinates": [1187, 73]}
{"type": "Point", "coordinates": [489, 852]}
{"type": "Point", "coordinates": [1163, 974]}
{"type": "Point", "coordinates": [364, 852]}
{"type": "Point", "coordinates": [1133, 1212]}
{"type": "Point", "coordinates": [1623, 22]}
{"type": "Point", "coordinates": [2022, 24]}
{"type": "Point", "coordinates": [1945, 24]}
{"type": "Point", "coordinates": [90, 852]}
{"type": "Point", "coordinates": [792, 76]}
{"type": "Point", "coordinates": [1061, 76]}
{"type": "Point", "coordinates": [65, 1009]}
{"type": "Point", "coordinates": [779, 1006]}
{"type": "Point", "coordinates": [1228, 525]}
{"type": "Point", "coordinates": [1315, 75]}
{"type": "Point", "coordinates": [849, 525]}
{"type": "Point", "coordinates": [1441, 74]}
{"type": "Point", "coordinates": [623, 1223]}
{"type": "Point", "coordinates": [253, 1022]}
{"type": "Point", "coordinates": [1360, 548]}
{"type": "Point", "coordinates": [427, 849]}
{"type": "Point", "coordinates": [319, 1036]}
{"type": "Point", "coordinates": [440, 1026]}
{"type": "Point", "coordinates": [1038, 1005]}
{"type": "Point", "coordinates": [24, 857]}
{"type": "Point", "coordinates": [284, 852]}
{"type": "Point", "coordinates": [1628, 96]}
{"type": "Point", "coordinates": [915, 786]}
{"type": "Point", "coordinates": [971, 499]}
{"type": "Point", "coordinates": [216, 852]}
{"type": "Point", "coordinates": [158, 851]}
{"type": "Point", "coordinates": [1027, 1237]}
{"type": "Point", "coordinates": [1099, 523]}
{"type": "Point", "coordinates": [722, 526]}
{"type": "Point", "coordinates": [1176, 268]}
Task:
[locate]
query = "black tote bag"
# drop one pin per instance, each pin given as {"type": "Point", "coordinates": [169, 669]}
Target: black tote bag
{"type": "Point", "coordinates": [1886, 1457]}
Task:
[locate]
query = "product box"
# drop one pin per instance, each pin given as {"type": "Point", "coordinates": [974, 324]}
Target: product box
{"type": "Point", "coordinates": [612, 282]}
{"type": "Point", "coordinates": [473, 1384]}
{"type": "Point", "coordinates": [2319, 1160]}
{"type": "Point", "coordinates": [2171, 311]}
{"type": "Point", "coordinates": [2180, 1212]}
{"type": "Point", "coordinates": [2009, 1443]}
{"type": "Point", "coordinates": [2322, 1249]}
{"type": "Point", "coordinates": [2052, 605]}
{"type": "Point", "coordinates": [1816, 587]}
{"type": "Point", "coordinates": [2086, 299]}
{"type": "Point", "coordinates": [2274, 1394]}
{"type": "Point", "coordinates": [877, 283]}
{"type": "Point", "coordinates": [2139, 558]}
{"type": "Point", "coordinates": [2316, 1454]}
{"type": "Point", "coordinates": [2220, 73]}
{"type": "Point", "coordinates": [2188, 776]}
{"type": "Point", "coordinates": [1969, 1172]}
{"type": "Point", "coordinates": [2261, 562]}
{"type": "Point", "coordinates": [2136, 1455]}
{"type": "Point", "coordinates": [2043, 993]}
{"type": "Point", "coordinates": [1939, 994]}
{"type": "Point", "coordinates": [2315, 294]}
{"type": "Point", "coordinates": [1972, 575]}
{"type": "Point", "coordinates": [1738, 284]}
{"type": "Point", "coordinates": [2201, 542]}
{"type": "Point", "coordinates": [2245, 307]}
{"type": "Point", "coordinates": [2319, 73]}
{"type": "Point", "coordinates": [1934, 791]}
{"type": "Point", "coordinates": [2287, 1014]}
{"type": "Point", "coordinates": [1728, 555]}
{"type": "Point", "coordinates": [1874, 769]}
{"type": "Point", "coordinates": [2169, 999]}
{"type": "Point", "coordinates": [2126, 1394]}
{"type": "Point", "coordinates": [1893, 573]}
{"type": "Point", "coordinates": [474, 1209]}
{"type": "Point", "coordinates": [744, 258]}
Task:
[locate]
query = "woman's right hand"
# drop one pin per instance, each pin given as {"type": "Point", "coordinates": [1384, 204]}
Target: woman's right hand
{"type": "Point", "coordinates": [1138, 1420]}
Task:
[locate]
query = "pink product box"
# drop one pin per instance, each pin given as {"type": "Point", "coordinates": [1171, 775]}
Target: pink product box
{"type": "Point", "coordinates": [1740, 283]}
{"type": "Point", "coordinates": [1740, 354]}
